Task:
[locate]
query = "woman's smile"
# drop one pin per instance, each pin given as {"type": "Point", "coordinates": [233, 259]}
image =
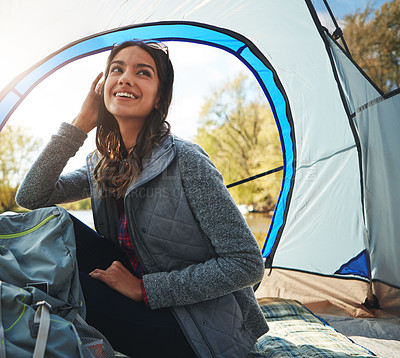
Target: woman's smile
{"type": "Point", "coordinates": [125, 95]}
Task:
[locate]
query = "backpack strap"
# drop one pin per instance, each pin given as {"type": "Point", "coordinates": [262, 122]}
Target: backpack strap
{"type": "Point", "coordinates": [42, 317]}
{"type": "Point", "coordinates": [2, 336]}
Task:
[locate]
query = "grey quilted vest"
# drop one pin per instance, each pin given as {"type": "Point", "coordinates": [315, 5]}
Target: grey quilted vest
{"type": "Point", "coordinates": [157, 209]}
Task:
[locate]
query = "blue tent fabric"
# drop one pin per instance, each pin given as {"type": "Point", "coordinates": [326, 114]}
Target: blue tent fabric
{"type": "Point", "coordinates": [358, 265]}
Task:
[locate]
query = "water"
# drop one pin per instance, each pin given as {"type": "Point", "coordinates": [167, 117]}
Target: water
{"type": "Point", "coordinates": [85, 216]}
{"type": "Point", "coordinates": [259, 225]}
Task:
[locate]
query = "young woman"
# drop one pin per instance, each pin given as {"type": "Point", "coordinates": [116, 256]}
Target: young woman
{"type": "Point", "coordinates": [169, 270]}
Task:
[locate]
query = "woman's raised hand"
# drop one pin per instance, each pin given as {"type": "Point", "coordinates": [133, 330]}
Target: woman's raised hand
{"type": "Point", "coordinates": [86, 119]}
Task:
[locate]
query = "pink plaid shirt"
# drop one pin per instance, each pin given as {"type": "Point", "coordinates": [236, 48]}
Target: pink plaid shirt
{"type": "Point", "coordinates": [126, 245]}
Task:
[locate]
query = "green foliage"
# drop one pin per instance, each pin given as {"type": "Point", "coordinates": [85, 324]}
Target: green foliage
{"type": "Point", "coordinates": [17, 151]}
{"type": "Point", "coordinates": [7, 198]}
{"type": "Point", "coordinates": [374, 42]}
{"type": "Point", "coordinates": [239, 133]}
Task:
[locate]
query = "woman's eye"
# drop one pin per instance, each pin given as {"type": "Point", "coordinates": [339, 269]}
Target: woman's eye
{"type": "Point", "coordinates": [144, 73]}
{"type": "Point", "coordinates": [115, 69]}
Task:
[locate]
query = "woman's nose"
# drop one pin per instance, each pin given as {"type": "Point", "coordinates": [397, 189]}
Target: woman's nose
{"type": "Point", "coordinates": [126, 79]}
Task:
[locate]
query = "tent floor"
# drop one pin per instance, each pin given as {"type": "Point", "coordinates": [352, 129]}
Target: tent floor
{"type": "Point", "coordinates": [339, 302]}
{"type": "Point", "coordinates": [380, 336]}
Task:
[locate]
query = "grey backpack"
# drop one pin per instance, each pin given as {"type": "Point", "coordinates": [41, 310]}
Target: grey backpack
{"type": "Point", "coordinates": [42, 306]}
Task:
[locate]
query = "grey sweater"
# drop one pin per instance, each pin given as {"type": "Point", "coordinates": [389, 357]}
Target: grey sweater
{"type": "Point", "coordinates": [237, 262]}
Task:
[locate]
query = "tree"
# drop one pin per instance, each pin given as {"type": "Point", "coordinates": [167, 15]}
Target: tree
{"type": "Point", "coordinates": [17, 151]}
{"type": "Point", "coordinates": [374, 42]}
{"type": "Point", "coordinates": [239, 133]}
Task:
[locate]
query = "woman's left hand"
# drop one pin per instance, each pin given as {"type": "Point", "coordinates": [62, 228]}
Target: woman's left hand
{"type": "Point", "coordinates": [86, 119]}
{"type": "Point", "coordinates": [121, 280]}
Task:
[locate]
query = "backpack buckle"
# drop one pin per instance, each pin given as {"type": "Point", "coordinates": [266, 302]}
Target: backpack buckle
{"type": "Point", "coordinates": [34, 324]}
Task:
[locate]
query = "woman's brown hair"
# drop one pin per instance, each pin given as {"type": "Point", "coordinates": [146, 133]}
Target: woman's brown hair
{"type": "Point", "coordinates": [117, 166]}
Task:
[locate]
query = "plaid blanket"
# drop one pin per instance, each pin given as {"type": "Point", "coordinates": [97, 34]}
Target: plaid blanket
{"type": "Point", "coordinates": [297, 332]}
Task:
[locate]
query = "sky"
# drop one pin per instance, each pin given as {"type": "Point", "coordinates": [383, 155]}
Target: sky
{"type": "Point", "coordinates": [198, 70]}
{"type": "Point", "coordinates": [341, 8]}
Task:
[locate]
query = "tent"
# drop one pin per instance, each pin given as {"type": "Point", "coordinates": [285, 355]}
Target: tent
{"type": "Point", "coordinates": [334, 233]}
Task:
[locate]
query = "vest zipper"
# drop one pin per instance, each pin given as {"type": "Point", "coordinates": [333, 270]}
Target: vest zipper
{"type": "Point", "coordinates": [28, 231]}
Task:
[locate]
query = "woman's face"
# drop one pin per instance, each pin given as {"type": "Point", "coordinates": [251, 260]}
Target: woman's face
{"type": "Point", "coordinates": [130, 91]}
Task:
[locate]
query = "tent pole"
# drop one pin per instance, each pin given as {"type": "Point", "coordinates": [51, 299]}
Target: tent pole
{"type": "Point", "coordinates": [255, 177]}
{"type": "Point", "coordinates": [338, 33]}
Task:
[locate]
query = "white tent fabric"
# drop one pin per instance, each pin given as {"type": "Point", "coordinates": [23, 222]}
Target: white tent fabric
{"type": "Point", "coordinates": [379, 127]}
{"type": "Point", "coordinates": [376, 119]}
{"type": "Point", "coordinates": [322, 218]}
{"type": "Point", "coordinates": [352, 80]}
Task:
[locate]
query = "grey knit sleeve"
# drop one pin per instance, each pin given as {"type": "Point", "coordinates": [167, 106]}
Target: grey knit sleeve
{"type": "Point", "coordinates": [238, 262]}
{"type": "Point", "coordinates": [44, 185]}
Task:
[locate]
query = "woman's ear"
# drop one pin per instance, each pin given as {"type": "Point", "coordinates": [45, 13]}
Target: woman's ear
{"type": "Point", "coordinates": [157, 101]}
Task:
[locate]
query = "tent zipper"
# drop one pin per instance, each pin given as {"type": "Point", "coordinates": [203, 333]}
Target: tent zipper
{"type": "Point", "coordinates": [32, 229]}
